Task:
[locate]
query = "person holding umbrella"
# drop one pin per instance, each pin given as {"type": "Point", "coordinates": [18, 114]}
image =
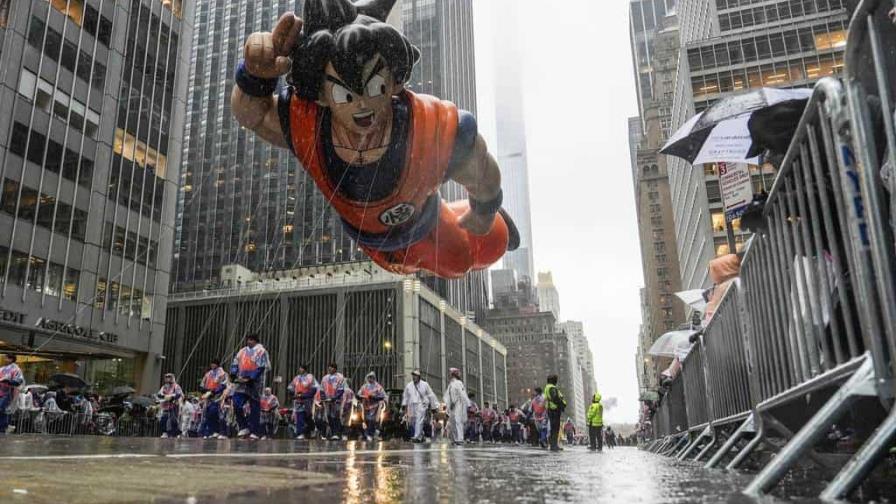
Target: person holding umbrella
{"type": "Point", "coordinates": [169, 396]}
{"type": "Point", "coordinates": [249, 366]}
{"type": "Point", "coordinates": [11, 379]}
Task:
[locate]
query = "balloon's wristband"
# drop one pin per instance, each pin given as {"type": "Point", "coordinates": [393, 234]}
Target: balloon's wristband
{"type": "Point", "coordinates": [252, 85]}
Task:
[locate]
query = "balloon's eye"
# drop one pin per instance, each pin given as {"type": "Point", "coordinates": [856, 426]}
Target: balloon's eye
{"type": "Point", "coordinates": [376, 86]}
{"type": "Point", "coordinates": [341, 95]}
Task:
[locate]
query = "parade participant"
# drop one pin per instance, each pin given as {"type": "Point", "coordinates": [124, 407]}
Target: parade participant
{"type": "Point", "coordinates": [457, 402]}
{"type": "Point", "coordinates": [303, 389]}
{"type": "Point", "coordinates": [570, 430]}
{"type": "Point", "coordinates": [515, 417]}
{"type": "Point", "coordinates": [595, 420]}
{"type": "Point", "coordinates": [169, 397]}
{"type": "Point", "coordinates": [416, 401]}
{"type": "Point", "coordinates": [489, 416]}
{"type": "Point", "coordinates": [347, 408]}
{"type": "Point", "coordinates": [372, 396]}
{"type": "Point", "coordinates": [213, 384]}
{"type": "Point", "coordinates": [269, 405]}
{"type": "Point", "coordinates": [472, 429]}
{"type": "Point", "coordinates": [11, 379]}
{"type": "Point", "coordinates": [377, 151]}
{"type": "Point", "coordinates": [186, 412]}
{"type": "Point", "coordinates": [332, 387]}
{"type": "Point", "coordinates": [319, 414]}
{"type": "Point", "coordinates": [556, 404]}
{"type": "Point", "coordinates": [249, 365]}
{"type": "Point", "coordinates": [539, 410]}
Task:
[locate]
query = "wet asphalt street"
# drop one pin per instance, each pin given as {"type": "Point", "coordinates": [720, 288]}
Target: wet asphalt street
{"type": "Point", "coordinates": [106, 470]}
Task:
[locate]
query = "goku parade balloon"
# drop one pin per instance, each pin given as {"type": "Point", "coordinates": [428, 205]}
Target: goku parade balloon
{"type": "Point", "coordinates": [377, 151]}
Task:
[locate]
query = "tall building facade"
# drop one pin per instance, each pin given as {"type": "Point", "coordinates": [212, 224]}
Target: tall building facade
{"type": "Point", "coordinates": [584, 357]}
{"type": "Point", "coordinates": [654, 38]}
{"type": "Point", "coordinates": [548, 296]}
{"type": "Point", "coordinates": [360, 317]}
{"type": "Point", "coordinates": [443, 31]}
{"type": "Point", "coordinates": [511, 132]}
{"type": "Point", "coordinates": [93, 99]}
{"type": "Point", "coordinates": [536, 348]}
{"type": "Point", "coordinates": [242, 201]}
{"type": "Point", "coordinates": [729, 46]}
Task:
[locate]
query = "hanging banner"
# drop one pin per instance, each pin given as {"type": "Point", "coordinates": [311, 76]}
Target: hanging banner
{"type": "Point", "coordinates": [736, 186]}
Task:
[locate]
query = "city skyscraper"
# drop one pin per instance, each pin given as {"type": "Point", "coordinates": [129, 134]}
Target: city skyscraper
{"type": "Point", "coordinates": [729, 46]}
{"type": "Point", "coordinates": [241, 200]}
{"type": "Point", "coordinates": [653, 31]}
{"type": "Point", "coordinates": [443, 31]}
{"type": "Point", "coordinates": [511, 132]}
{"type": "Point", "coordinates": [90, 142]}
{"type": "Point", "coordinates": [548, 296]}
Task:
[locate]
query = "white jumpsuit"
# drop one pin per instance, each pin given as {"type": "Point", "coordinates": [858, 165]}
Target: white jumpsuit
{"type": "Point", "coordinates": [457, 403]}
{"type": "Point", "coordinates": [418, 398]}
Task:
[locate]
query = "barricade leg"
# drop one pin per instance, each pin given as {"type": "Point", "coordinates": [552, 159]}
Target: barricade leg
{"type": "Point", "coordinates": [861, 383]}
{"type": "Point", "coordinates": [759, 424]}
{"type": "Point", "coordinates": [744, 428]}
{"type": "Point", "coordinates": [709, 445]}
{"type": "Point", "coordinates": [861, 464]}
{"type": "Point", "coordinates": [691, 447]}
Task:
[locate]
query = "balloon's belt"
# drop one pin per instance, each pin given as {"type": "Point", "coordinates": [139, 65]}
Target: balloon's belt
{"type": "Point", "coordinates": [403, 236]}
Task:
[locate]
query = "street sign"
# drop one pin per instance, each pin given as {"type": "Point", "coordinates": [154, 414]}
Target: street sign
{"type": "Point", "coordinates": [736, 186]}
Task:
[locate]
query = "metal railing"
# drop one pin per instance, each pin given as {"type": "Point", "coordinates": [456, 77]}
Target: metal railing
{"type": "Point", "coordinates": [74, 424]}
{"type": "Point", "coordinates": [815, 305]}
{"type": "Point", "coordinates": [694, 377]}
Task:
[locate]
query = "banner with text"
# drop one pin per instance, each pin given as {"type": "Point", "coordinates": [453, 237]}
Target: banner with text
{"type": "Point", "coordinates": [736, 185]}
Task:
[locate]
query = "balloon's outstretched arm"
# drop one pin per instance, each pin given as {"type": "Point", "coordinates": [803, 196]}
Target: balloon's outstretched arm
{"type": "Point", "coordinates": [266, 56]}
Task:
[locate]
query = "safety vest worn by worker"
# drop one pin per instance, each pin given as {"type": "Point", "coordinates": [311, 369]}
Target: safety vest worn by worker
{"type": "Point", "coordinates": [547, 395]}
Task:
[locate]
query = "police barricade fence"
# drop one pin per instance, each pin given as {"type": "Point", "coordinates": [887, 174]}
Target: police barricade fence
{"type": "Point", "coordinates": [71, 424]}
{"type": "Point", "coordinates": [817, 305]}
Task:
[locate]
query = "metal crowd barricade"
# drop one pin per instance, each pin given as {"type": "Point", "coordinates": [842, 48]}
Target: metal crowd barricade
{"type": "Point", "coordinates": [694, 379]}
{"type": "Point", "coordinates": [815, 306]}
{"type": "Point", "coordinates": [728, 391]}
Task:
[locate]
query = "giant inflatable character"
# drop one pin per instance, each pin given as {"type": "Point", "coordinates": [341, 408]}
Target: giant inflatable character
{"type": "Point", "coordinates": [377, 151]}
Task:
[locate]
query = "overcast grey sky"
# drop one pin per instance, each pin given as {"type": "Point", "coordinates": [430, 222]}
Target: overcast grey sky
{"type": "Point", "coordinates": [578, 93]}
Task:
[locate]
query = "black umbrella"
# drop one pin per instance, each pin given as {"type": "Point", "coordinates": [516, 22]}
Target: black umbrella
{"type": "Point", "coordinates": [142, 401]}
{"type": "Point", "coordinates": [123, 390]}
{"type": "Point", "coordinates": [740, 127]}
{"type": "Point", "coordinates": [69, 380]}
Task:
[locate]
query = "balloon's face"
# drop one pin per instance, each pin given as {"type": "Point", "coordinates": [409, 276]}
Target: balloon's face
{"type": "Point", "coordinates": [365, 112]}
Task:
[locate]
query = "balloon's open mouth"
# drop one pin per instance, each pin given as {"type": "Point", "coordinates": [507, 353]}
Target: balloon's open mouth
{"type": "Point", "coordinates": [364, 119]}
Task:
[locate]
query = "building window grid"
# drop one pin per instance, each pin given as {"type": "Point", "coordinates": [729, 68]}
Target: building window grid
{"type": "Point", "coordinates": [158, 179]}
{"type": "Point", "coordinates": [81, 65]}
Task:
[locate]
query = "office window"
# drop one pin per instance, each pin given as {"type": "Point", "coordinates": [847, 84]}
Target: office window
{"type": "Point", "coordinates": [56, 160]}
{"type": "Point", "coordinates": [128, 147]}
{"type": "Point", "coordinates": [38, 208]}
{"type": "Point", "coordinates": [39, 275]}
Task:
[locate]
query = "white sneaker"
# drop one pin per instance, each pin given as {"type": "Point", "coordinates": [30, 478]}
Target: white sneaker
{"type": "Point", "coordinates": [164, 436]}
{"type": "Point", "coordinates": [345, 438]}
{"type": "Point", "coordinates": [334, 438]}
{"type": "Point", "coordinates": [242, 433]}
{"type": "Point", "coordinates": [300, 437]}
{"type": "Point", "coordinates": [253, 437]}
{"type": "Point", "coordinates": [264, 438]}
{"type": "Point", "coordinates": [221, 437]}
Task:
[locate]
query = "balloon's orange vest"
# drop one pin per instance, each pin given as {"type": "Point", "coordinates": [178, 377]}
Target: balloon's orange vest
{"type": "Point", "coordinates": [431, 131]}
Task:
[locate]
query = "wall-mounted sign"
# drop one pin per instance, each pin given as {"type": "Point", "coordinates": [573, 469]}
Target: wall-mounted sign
{"type": "Point", "coordinates": [12, 317]}
{"type": "Point", "coordinates": [76, 331]}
